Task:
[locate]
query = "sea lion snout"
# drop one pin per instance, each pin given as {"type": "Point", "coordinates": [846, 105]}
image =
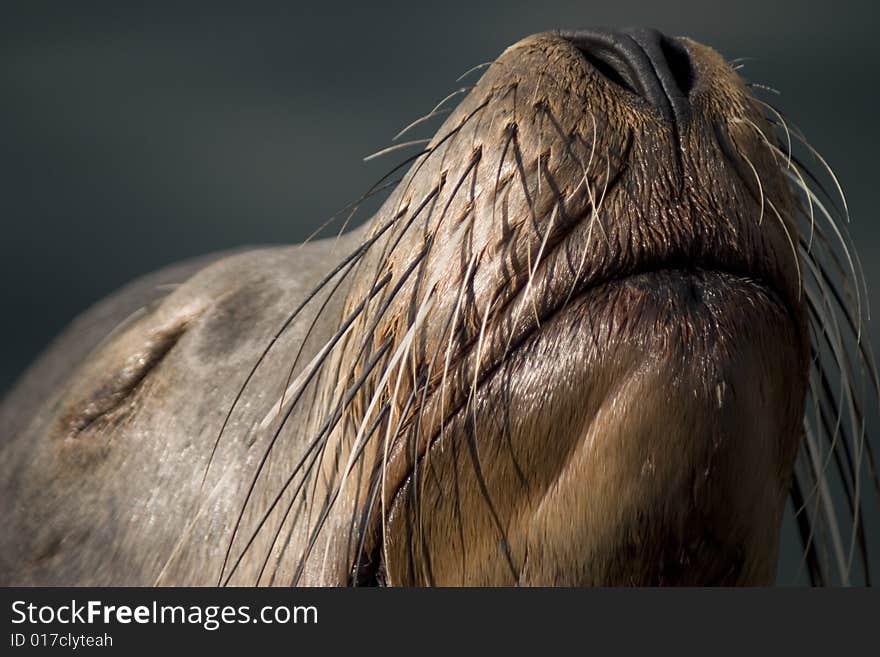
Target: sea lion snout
{"type": "Point", "coordinates": [643, 61]}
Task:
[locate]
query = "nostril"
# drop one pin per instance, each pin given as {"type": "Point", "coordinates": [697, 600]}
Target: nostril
{"type": "Point", "coordinates": [642, 61]}
{"type": "Point", "coordinates": [612, 68]}
{"type": "Point", "coordinates": [678, 61]}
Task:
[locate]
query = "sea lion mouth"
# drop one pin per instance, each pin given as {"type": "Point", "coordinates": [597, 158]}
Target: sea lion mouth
{"type": "Point", "coordinates": [688, 278]}
{"type": "Point", "coordinates": [684, 261]}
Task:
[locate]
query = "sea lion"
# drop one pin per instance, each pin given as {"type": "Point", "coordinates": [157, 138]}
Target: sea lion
{"type": "Point", "coordinates": [584, 341]}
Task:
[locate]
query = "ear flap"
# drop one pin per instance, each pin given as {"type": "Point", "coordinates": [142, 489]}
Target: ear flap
{"type": "Point", "coordinates": [118, 368]}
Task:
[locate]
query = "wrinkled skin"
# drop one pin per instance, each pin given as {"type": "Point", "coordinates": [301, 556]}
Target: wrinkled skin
{"type": "Point", "coordinates": [620, 401]}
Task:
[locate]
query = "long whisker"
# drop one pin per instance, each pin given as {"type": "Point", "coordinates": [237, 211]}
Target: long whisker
{"type": "Point", "coordinates": [361, 439]}
{"type": "Point", "coordinates": [397, 147]}
{"type": "Point", "coordinates": [419, 121]}
{"type": "Point", "coordinates": [306, 380]}
{"type": "Point", "coordinates": [343, 265]}
{"type": "Point", "coordinates": [313, 444]}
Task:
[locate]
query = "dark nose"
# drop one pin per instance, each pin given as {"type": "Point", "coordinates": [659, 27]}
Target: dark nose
{"type": "Point", "coordinates": [644, 61]}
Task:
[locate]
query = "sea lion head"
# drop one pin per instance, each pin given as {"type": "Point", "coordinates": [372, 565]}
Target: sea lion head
{"type": "Point", "coordinates": [604, 326]}
{"type": "Point", "coordinates": [579, 338]}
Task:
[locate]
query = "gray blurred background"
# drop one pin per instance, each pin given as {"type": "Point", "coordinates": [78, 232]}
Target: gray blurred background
{"type": "Point", "coordinates": [133, 137]}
